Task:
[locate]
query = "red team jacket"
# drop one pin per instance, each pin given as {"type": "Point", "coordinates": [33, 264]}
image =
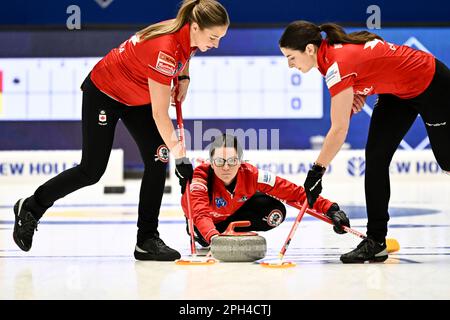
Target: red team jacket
{"type": "Point", "coordinates": [375, 67]}
{"type": "Point", "coordinates": [249, 180]}
{"type": "Point", "coordinates": [123, 73]}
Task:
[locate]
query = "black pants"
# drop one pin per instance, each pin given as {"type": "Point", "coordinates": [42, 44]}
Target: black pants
{"type": "Point", "coordinates": [100, 115]}
{"type": "Point", "coordinates": [263, 212]}
{"type": "Point", "coordinates": [391, 119]}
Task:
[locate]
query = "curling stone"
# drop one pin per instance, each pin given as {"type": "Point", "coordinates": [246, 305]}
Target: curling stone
{"type": "Point", "coordinates": [232, 246]}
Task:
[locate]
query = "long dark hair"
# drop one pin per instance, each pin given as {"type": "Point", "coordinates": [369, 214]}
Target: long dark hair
{"type": "Point", "coordinates": [227, 141]}
{"type": "Point", "coordinates": [299, 34]}
{"type": "Point", "coordinates": [206, 13]}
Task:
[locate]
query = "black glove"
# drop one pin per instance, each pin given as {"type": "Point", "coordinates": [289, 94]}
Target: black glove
{"type": "Point", "coordinates": [313, 183]}
{"type": "Point", "coordinates": [339, 218]}
{"type": "Point", "coordinates": [184, 171]}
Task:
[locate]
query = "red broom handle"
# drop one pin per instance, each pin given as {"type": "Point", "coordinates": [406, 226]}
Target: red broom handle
{"type": "Point", "coordinates": [181, 138]}
{"type": "Point", "coordinates": [293, 229]}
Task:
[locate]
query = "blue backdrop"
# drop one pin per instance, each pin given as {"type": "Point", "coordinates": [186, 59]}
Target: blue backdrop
{"type": "Point", "coordinates": [51, 12]}
{"type": "Point", "coordinates": [294, 134]}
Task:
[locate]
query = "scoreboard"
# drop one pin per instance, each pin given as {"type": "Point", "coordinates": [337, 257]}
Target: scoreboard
{"type": "Point", "coordinates": [234, 87]}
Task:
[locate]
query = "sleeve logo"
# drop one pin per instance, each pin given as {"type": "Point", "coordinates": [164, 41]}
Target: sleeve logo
{"type": "Point", "coordinates": [266, 177]}
{"type": "Point", "coordinates": [166, 64]}
{"type": "Point", "coordinates": [333, 75]}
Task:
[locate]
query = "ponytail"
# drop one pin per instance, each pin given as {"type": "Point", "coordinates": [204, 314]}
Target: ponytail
{"type": "Point", "coordinates": [299, 34]}
{"type": "Point", "coordinates": [206, 13]}
{"type": "Point", "coordinates": [336, 34]}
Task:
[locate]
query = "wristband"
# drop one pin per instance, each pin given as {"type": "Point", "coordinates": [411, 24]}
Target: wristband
{"type": "Point", "coordinates": [318, 168]}
{"type": "Point", "coordinates": [184, 77]}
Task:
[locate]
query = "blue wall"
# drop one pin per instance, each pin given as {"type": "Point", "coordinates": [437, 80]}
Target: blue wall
{"type": "Point", "coordinates": [51, 12]}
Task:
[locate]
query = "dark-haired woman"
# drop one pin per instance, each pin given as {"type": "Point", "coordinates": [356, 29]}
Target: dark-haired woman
{"type": "Point", "coordinates": [225, 189]}
{"type": "Point", "coordinates": [408, 83]}
{"type": "Point", "coordinates": [133, 83]}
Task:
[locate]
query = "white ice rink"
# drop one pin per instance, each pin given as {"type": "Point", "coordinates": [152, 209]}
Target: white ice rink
{"type": "Point", "coordinates": [84, 250]}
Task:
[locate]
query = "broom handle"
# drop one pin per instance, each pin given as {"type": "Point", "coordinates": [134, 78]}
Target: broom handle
{"type": "Point", "coordinates": [181, 138]}
{"type": "Point", "coordinates": [326, 219]}
{"type": "Point", "coordinates": [293, 229]}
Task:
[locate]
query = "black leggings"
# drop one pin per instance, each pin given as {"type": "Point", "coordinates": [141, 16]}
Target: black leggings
{"type": "Point", "coordinates": [100, 115]}
{"type": "Point", "coordinates": [263, 212]}
{"type": "Point", "coordinates": [391, 119]}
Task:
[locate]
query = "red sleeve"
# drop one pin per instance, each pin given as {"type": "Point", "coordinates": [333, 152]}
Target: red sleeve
{"type": "Point", "coordinates": [200, 203]}
{"type": "Point", "coordinates": [159, 54]}
{"type": "Point", "coordinates": [339, 76]}
{"type": "Point", "coordinates": [285, 190]}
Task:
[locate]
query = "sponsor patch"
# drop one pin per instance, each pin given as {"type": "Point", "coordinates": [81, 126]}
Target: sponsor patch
{"type": "Point", "coordinates": [220, 202]}
{"type": "Point", "coordinates": [162, 154]}
{"type": "Point", "coordinates": [333, 75]}
{"type": "Point", "coordinates": [166, 64]}
{"type": "Point", "coordinates": [266, 177]}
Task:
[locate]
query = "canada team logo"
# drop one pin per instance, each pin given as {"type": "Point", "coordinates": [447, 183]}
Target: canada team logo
{"type": "Point", "coordinates": [102, 118]}
{"type": "Point", "coordinates": [162, 154]}
{"type": "Point", "coordinates": [275, 218]}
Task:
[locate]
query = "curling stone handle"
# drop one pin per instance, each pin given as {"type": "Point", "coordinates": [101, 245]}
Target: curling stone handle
{"type": "Point", "coordinates": [236, 224]}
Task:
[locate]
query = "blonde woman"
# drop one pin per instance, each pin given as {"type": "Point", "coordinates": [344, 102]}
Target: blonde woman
{"type": "Point", "coordinates": [133, 83]}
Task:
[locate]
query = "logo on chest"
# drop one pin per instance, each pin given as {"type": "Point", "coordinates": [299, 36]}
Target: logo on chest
{"type": "Point", "coordinates": [220, 202]}
{"type": "Point", "coordinates": [243, 199]}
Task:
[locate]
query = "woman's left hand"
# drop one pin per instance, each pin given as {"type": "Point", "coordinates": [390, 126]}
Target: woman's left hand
{"type": "Point", "coordinates": [182, 90]}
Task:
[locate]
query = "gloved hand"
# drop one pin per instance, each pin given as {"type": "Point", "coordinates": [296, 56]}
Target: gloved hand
{"type": "Point", "coordinates": [313, 183]}
{"type": "Point", "coordinates": [339, 218]}
{"type": "Point", "coordinates": [184, 171]}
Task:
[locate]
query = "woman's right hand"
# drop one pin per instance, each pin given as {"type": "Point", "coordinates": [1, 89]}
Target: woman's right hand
{"type": "Point", "coordinates": [358, 102]}
{"type": "Point", "coordinates": [182, 91]}
{"type": "Point", "coordinates": [184, 171]}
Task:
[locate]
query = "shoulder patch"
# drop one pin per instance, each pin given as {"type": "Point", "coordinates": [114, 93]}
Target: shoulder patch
{"type": "Point", "coordinates": [166, 64]}
{"type": "Point", "coordinates": [333, 75]}
{"type": "Point", "coordinates": [266, 177]}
